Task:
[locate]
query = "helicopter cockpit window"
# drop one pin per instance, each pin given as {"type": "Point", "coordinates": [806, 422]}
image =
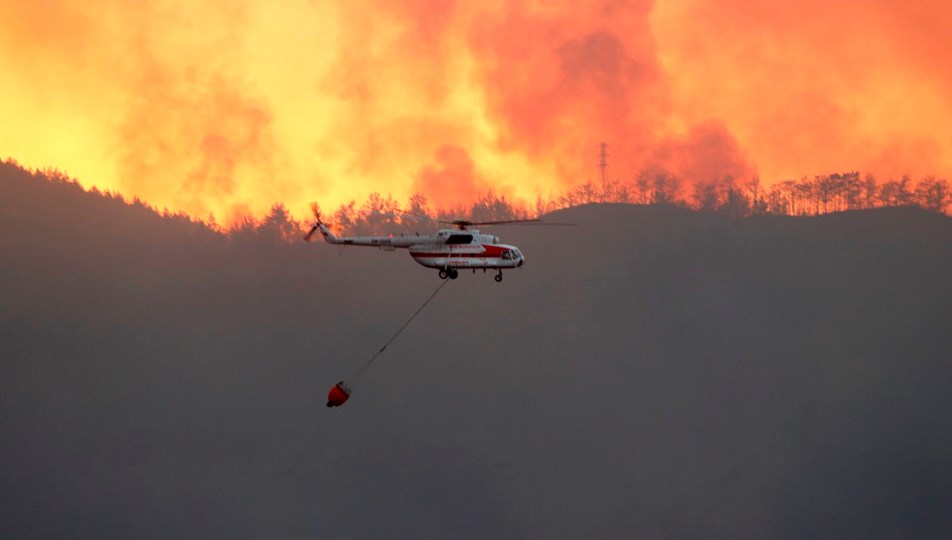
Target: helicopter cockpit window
{"type": "Point", "coordinates": [460, 239]}
{"type": "Point", "coordinates": [507, 255]}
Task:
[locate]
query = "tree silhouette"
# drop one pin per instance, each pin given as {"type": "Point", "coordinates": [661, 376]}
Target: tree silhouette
{"type": "Point", "coordinates": [758, 206]}
{"type": "Point", "coordinates": [490, 207]}
{"type": "Point", "coordinates": [736, 203]}
{"type": "Point", "coordinates": [378, 215]}
{"type": "Point", "coordinates": [933, 194]}
{"type": "Point", "coordinates": [666, 189]}
{"type": "Point", "coordinates": [904, 192]}
{"type": "Point", "coordinates": [643, 187]}
{"type": "Point", "coordinates": [888, 194]}
{"type": "Point", "coordinates": [345, 217]}
{"type": "Point", "coordinates": [279, 225]}
{"type": "Point", "coordinates": [418, 217]}
{"type": "Point", "coordinates": [869, 191]}
{"type": "Point", "coordinates": [705, 196]}
{"type": "Point", "coordinates": [777, 203]}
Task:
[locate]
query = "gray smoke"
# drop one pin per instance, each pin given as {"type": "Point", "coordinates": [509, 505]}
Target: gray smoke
{"type": "Point", "coordinates": [652, 372]}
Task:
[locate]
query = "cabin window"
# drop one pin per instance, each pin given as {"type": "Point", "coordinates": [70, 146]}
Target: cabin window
{"type": "Point", "coordinates": [460, 239]}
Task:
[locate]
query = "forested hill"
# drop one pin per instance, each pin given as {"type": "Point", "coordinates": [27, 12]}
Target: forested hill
{"type": "Point", "coordinates": [651, 372]}
{"type": "Point", "coordinates": [52, 197]}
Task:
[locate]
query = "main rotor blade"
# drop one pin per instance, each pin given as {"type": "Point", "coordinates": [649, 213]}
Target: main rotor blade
{"type": "Point", "coordinates": [495, 222]}
{"type": "Point", "coordinates": [424, 216]}
{"type": "Point", "coordinates": [518, 222]}
{"type": "Point", "coordinates": [463, 223]}
{"type": "Point", "coordinates": [553, 224]}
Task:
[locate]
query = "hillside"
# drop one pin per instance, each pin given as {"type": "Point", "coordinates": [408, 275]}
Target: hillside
{"type": "Point", "coordinates": [652, 372]}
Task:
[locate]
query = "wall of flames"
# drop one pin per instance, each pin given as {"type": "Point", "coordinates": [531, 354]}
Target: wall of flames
{"type": "Point", "coordinates": [225, 108]}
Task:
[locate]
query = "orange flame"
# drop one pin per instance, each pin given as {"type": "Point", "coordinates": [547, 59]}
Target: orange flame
{"type": "Point", "coordinates": [226, 108]}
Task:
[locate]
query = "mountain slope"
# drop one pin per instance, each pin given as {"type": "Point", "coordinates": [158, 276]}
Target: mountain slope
{"type": "Point", "coordinates": [652, 372]}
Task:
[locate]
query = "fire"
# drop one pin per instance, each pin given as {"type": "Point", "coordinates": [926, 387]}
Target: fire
{"type": "Point", "coordinates": [225, 108]}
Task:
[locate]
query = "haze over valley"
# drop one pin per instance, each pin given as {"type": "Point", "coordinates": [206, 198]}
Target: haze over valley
{"type": "Point", "coordinates": [651, 372]}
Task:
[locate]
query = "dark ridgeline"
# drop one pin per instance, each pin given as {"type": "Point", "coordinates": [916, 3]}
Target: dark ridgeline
{"type": "Point", "coordinates": [653, 372]}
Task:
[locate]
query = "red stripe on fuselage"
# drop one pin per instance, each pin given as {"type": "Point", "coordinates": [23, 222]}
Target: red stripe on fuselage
{"type": "Point", "coordinates": [489, 252]}
{"type": "Point", "coordinates": [455, 256]}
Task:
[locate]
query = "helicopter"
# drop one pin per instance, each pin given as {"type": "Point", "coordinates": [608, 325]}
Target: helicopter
{"type": "Point", "coordinates": [448, 250]}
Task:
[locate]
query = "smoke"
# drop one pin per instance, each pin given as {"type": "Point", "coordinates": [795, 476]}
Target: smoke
{"type": "Point", "coordinates": [228, 108]}
{"type": "Point", "coordinates": [564, 80]}
{"type": "Point", "coordinates": [707, 152]}
{"type": "Point", "coordinates": [809, 87]}
{"type": "Point", "coordinates": [452, 180]}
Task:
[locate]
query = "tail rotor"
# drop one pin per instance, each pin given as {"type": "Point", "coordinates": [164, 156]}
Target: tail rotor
{"type": "Point", "coordinates": [317, 222]}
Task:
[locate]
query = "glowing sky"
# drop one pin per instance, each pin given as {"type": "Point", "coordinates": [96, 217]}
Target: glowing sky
{"type": "Point", "coordinates": [226, 107]}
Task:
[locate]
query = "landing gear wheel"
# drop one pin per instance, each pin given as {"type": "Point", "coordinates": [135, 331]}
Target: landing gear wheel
{"type": "Point", "coordinates": [498, 277]}
{"type": "Point", "coordinates": [443, 274]}
{"type": "Point", "coordinates": [453, 273]}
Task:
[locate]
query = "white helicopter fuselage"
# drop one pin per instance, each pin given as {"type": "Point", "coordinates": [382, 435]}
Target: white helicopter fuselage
{"type": "Point", "coordinates": [447, 249]}
{"type": "Point", "coordinates": [467, 249]}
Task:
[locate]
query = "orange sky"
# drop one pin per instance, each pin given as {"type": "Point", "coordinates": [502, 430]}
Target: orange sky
{"type": "Point", "coordinates": [228, 107]}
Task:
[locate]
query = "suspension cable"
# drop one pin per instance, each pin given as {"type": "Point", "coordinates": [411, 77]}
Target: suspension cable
{"type": "Point", "coordinates": [360, 371]}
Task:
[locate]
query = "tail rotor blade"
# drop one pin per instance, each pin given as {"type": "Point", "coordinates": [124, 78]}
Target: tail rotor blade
{"type": "Point", "coordinates": [317, 221]}
{"type": "Point", "coordinates": [310, 233]}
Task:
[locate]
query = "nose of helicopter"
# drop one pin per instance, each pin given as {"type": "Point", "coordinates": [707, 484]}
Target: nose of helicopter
{"type": "Point", "coordinates": [522, 261]}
